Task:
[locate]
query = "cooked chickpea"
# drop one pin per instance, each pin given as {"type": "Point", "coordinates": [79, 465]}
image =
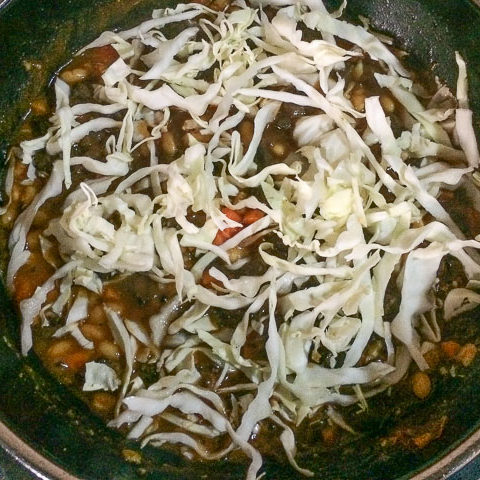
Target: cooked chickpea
{"type": "Point", "coordinates": [28, 193]}
{"type": "Point", "coordinates": [60, 348]}
{"type": "Point", "coordinates": [246, 130]}
{"type": "Point", "coordinates": [103, 402]}
{"type": "Point", "coordinates": [9, 216]}
{"type": "Point", "coordinates": [75, 75]}
{"type": "Point", "coordinates": [94, 332]}
{"type": "Point", "coordinates": [358, 98]}
{"type": "Point", "coordinates": [15, 195]}
{"type": "Point", "coordinates": [387, 103]}
{"type": "Point", "coordinates": [466, 355]}
{"type": "Point", "coordinates": [237, 253]}
{"type": "Point", "coordinates": [357, 72]}
{"type": "Point", "coordinates": [33, 239]}
{"type": "Point", "coordinates": [168, 143]}
{"type": "Point", "coordinates": [141, 131]}
{"type": "Point", "coordinates": [279, 149]}
{"type": "Point", "coordinates": [432, 357]}
{"type": "Point", "coordinates": [97, 315]}
{"type": "Point", "coordinates": [40, 106]}
{"type": "Point", "coordinates": [421, 385]}
{"type": "Point", "coordinates": [108, 350]}
{"type": "Point", "coordinates": [132, 456]}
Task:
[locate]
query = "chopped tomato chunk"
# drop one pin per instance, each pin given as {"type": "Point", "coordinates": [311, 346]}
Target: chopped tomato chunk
{"type": "Point", "coordinates": [78, 359]}
{"type": "Point", "coordinates": [252, 216]}
{"type": "Point", "coordinates": [223, 235]}
{"type": "Point", "coordinates": [245, 216]}
{"type": "Point", "coordinates": [235, 215]}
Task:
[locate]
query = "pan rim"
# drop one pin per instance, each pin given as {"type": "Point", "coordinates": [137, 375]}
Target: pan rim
{"type": "Point", "coordinates": [45, 469]}
{"type": "Point", "coordinates": [31, 460]}
{"type": "Point", "coordinates": [454, 460]}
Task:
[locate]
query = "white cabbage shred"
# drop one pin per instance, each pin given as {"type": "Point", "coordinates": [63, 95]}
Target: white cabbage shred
{"type": "Point", "coordinates": [351, 221]}
{"type": "Point", "coordinates": [99, 376]}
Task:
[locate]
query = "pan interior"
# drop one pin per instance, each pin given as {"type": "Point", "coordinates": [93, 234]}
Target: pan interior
{"type": "Point", "coordinates": [59, 426]}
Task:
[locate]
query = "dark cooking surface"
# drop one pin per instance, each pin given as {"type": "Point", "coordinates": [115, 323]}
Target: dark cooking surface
{"type": "Point", "coordinates": [10, 470]}
{"type": "Point", "coordinates": [49, 418]}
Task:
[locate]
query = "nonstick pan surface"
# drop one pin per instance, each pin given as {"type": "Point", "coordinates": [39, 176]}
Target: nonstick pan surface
{"type": "Point", "coordinates": [45, 427]}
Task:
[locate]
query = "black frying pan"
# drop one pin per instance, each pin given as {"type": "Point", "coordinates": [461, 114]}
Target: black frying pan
{"type": "Point", "coordinates": [45, 415]}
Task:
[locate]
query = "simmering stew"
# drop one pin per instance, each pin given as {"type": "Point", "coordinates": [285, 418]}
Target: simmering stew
{"type": "Point", "coordinates": [234, 221]}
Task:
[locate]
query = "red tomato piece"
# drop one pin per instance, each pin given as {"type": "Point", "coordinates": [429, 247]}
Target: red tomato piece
{"type": "Point", "coordinates": [234, 215]}
{"type": "Point", "coordinates": [252, 216]}
{"type": "Point", "coordinates": [223, 235]}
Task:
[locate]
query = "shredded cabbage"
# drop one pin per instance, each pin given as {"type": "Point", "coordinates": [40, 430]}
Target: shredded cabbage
{"type": "Point", "coordinates": [99, 376]}
{"type": "Point", "coordinates": [333, 221]}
